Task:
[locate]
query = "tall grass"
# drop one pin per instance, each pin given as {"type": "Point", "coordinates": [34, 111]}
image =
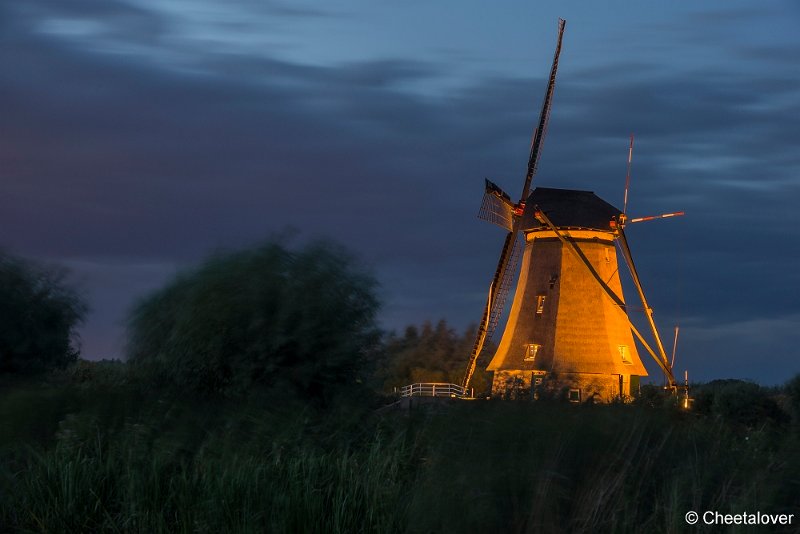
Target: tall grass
{"type": "Point", "coordinates": [90, 489]}
{"type": "Point", "coordinates": [113, 460]}
{"type": "Point", "coordinates": [178, 467]}
{"type": "Point", "coordinates": [554, 468]}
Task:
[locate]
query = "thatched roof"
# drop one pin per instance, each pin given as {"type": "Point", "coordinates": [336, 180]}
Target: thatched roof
{"type": "Point", "coordinates": [569, 208]}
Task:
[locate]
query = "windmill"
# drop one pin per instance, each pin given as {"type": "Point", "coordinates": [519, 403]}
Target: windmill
{"type": "Point", "coordinates": [568, 328]}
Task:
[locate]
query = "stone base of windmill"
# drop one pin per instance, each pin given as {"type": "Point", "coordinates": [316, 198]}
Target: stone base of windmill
{"type": "Point", "coordinates": [572, 387]}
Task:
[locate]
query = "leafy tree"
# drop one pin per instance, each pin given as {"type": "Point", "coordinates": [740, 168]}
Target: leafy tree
{"type": "Point", "coordinates": [304, 320]}
{"type": "Point", "coordinates": [39, 312]}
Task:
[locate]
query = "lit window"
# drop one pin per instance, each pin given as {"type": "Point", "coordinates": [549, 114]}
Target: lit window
{"type": "Point", "coordinates": [625, 354]}
{"type": "Point", "coordinates": [540, 304]}
{"type": "Point", "coordinates": [531, 349]}
{"type": "Point", "coordinates": [574, 395]}
{"type": "Point", "coordinates": [537, 381]}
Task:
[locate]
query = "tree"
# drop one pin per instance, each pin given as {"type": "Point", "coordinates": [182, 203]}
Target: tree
{"type": "Point", "coordinates": [738, 402]}
{"type": "Point", "coordinates": [431, 354]}
{"type": "Point", "coordinates": [39, 313]}
{"type": "Point", "coordinates": [304, 320]}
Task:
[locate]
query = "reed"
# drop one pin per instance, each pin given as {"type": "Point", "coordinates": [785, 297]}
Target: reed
{"type": "Point", "coordinates": [114, 460]}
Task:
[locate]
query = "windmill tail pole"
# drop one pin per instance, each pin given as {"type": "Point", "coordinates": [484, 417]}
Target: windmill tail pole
{"type": "Point", "coordinates": [538, 135]}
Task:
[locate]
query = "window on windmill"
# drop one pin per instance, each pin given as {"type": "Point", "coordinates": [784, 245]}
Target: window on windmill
{"type": "Point", "coordinates": [625, 354]}
{"type": "Point", "coordinates": [531, 350]}
{"type": "Point", "coordinates": [540, 304]}
{"type": "Point", "coordinates": [553, 280]}
{"type": "Point", "coordinates": [575, 395]}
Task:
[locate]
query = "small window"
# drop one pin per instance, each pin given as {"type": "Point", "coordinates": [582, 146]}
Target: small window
{"type": "Point", "coordinates": [625, 354]}
{"type": "Point", "coordinates": [540, 304]}
{"type": "Point", "coordinates": [575, 395]}
{"type": "Point", "coordinates": [553, 280]}
{"type": "Point", "coordinates": [537, 381]}
{"type": "Point", "coordinates": [531, 349]}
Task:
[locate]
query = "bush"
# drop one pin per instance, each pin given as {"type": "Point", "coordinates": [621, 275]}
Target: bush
{"type": "Point", "coordinates": [792, 390]}
{"type": "Point", "coordinates": [38, 316]}
{"type": "Point", "coordinates": [653, 396]}
{"type": "Point", "coordinates": [268, 316]}
{"type": "Point", "coordinates": [738, 403]}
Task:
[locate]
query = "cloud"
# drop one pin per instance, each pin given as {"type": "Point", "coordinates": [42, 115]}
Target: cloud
{"type": "Point", "coordinates": [750, 349]}
{"type": "Point", "coordinates": [137, 161]}
{"type": "Point", "coordinates": [174, 34]}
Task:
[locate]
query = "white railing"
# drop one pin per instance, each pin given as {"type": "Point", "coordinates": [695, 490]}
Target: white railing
{"type": "Point", "coordinates": [435, 389]}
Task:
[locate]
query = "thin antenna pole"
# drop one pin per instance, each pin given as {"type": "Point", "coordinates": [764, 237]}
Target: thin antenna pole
{"type": "Point", "coordinates": [628, 178]}
{"type": "Point", "coordinates": [686, 389]}
{"type": "Point", "coordinates": [674, 346]}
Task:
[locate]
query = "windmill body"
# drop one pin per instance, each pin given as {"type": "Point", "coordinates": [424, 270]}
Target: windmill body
{"type": "Point", "coordinates": [565, 334]}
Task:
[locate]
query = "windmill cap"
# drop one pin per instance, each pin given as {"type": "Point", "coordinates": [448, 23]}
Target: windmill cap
{"type": "Point", "coordinates": [568, 208]}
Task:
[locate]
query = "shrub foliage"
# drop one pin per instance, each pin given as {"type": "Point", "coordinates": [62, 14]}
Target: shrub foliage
{"type": "Point", "coordinates": [303, 319]}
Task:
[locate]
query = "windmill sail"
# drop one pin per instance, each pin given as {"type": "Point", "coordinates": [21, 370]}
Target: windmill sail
{"type": "Point", "coordinates": [537, 141]}
{"type": "Point", "coordinates": [498, 292]}
{"type": "Point", "coordinates": [501, 282]}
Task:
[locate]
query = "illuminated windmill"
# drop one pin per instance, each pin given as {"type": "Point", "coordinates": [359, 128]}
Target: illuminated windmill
{"type": "Point", "coordinates": [568, 329]}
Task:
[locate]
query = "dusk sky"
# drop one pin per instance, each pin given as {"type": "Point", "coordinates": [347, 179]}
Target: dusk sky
{"type": "Point", "coordinates": [139, 136]}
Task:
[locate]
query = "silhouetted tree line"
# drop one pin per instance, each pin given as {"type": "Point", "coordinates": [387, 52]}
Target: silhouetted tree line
{"type": "Point", "coordinates": [430, 353]}
{"type": "Point", "coordinates": [301, 321]}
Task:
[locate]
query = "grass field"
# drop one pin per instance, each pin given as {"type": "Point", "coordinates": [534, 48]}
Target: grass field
{"type": "Point", "coordinates": [113, 457]}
